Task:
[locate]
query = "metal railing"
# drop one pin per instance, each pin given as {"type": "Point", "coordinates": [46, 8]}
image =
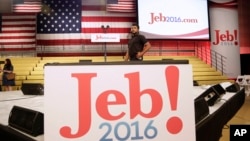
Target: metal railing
{"type": "Point", "coordinates": [218, 61]}
{"type": "Point", "coordinates": [212, 58]}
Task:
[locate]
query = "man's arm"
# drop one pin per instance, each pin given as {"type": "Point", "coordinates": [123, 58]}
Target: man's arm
{"type": "Point", "coordinates": [126, 57]}
{"type": "Point", "coordinates": [146, 47]}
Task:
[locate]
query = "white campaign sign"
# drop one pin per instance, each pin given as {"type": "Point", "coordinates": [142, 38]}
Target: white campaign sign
{"type": "Point", "coordinates": [152, 102]}
{"type": "Point", "coordinates": [105, 37]}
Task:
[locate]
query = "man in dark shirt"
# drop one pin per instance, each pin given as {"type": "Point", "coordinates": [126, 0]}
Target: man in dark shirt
{"type": "Point", "coordinates": [137, 45]}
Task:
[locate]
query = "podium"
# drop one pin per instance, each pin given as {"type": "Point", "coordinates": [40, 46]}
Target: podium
{"type": "Point", "coordinates": [105, 38]}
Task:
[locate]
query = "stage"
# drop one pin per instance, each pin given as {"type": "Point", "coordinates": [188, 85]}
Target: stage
{"type": "Point", "coordinates": [11, 98]}
{"type": "Point", "coordinates": [207, 129]}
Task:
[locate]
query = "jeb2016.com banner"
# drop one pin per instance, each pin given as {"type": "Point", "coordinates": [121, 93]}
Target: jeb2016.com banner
{"type": "Point", "coordinates": [174, 19]}
{"type": "Point", "coordinates": [150, 102]}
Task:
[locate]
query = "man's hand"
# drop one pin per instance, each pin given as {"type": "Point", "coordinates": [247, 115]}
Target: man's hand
{"type": "Point", "coordinates": [139, 55]}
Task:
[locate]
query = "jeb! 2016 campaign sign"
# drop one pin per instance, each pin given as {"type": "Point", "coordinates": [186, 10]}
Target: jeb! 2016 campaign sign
{"type": "Point", "coordinates": [112, 102]}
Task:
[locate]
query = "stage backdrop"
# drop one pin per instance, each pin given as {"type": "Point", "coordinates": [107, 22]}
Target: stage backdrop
{"type": "Point", "coordinates": [225, 34]}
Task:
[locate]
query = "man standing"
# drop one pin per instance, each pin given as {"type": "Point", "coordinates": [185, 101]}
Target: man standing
{"type": "Point", "coordinates": [137, 45]}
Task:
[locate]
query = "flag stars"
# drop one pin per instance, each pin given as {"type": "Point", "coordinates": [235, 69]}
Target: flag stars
{"type": "Point", "coordinates": [65, 17]}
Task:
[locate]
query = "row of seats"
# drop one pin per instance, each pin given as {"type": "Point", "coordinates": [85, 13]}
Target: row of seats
{"type": "Point", "coordinates": [31, 69]}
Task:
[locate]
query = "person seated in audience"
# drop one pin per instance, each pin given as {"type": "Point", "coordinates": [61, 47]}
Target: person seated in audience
{"type": "Point", "coordinates": [7, 68]}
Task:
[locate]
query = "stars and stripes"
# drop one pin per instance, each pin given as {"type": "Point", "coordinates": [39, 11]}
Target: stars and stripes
{"type": "Point", "coordinates": [92, 16]}
{"type": "Point", "coordinates": [26, 6]}
{"type": "Point", "coordinates": [18, 31]}
{"type": "Point", "coordinates": [18, 28]}
{"type": "Point", "coordinates": [62, 23]}
{"type": "Point", "coordinates": [121, 6]}
{"type": "Point", "coordinates": [59, 23]}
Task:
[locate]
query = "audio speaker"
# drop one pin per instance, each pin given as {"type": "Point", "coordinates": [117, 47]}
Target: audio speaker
{"type": "Point", "coordinates": [26, 120]}
{"type": "Point", "coordinates": [210, 96]}
{"type": "Point", "coordinates": [32, 89]}
{"type": "Point", "coordinates": [201, 109]}
{"type": "Point", "coordinates": [220, 90]}
{"type": "Point", "coordinates": [233, 88]}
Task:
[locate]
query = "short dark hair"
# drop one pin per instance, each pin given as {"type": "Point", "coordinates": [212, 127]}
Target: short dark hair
{"type": "Point", "coordinates": [135, 24]}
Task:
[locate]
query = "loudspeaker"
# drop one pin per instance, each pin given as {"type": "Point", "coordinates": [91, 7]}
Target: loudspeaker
{"type": "Point", "coordinates": [201, 109]}
{"type": "Point", "coordinates": [210, 96]}
{"type": "Point", "coordinates": [233, 88]}
{"type": "Point", "coordinates": [26, 120]}
{"type": "Point", "coordinates": [32, 89]}
{"type": "Point", "coordinates": [220, 90]}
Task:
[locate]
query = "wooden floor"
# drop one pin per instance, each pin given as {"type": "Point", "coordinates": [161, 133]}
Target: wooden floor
{"type": "Point", "coordinates": [241, 117]}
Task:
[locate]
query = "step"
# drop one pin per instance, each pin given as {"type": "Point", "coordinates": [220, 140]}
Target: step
{"type": "Point", "coordinates": [207, 73]}
{"type": "Point", "coordinates": [197, 78]}
{"type": "Point", "coordinates": [211, 82]}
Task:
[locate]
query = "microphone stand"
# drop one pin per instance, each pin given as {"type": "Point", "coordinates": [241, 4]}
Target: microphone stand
{"type": "Point", "coordinates": [105, 43]}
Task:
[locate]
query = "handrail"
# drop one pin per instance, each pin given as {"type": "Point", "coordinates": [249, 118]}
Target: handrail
{"type": "Point", "coordinates": [218, 61]}
{"type": "Point", "coordinates": [212, 58]}
{"type": "Point", "coordinates": [158, 49]}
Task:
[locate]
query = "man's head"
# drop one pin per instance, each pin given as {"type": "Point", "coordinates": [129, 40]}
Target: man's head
{"type": "Point", "coordinates": [134, 28]}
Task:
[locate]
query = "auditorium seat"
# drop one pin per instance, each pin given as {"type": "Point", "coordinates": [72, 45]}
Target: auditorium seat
{"type": "Point", "coordinates": [35, 77]}
{"type": "Point", "coordinates": [34, 81]}
{"type": "Point", "coordinates": [32, 68]}
{"type": "Point", "coordinates": [37, 72]}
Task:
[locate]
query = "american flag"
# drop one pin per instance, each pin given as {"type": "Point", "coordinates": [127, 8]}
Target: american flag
{"type": "Point", "coordinates": [62, 23]}
{"type": "Point", "coordinates": [59, 23]}
{"type": "Point", "coordinates": [18, 29]}
{"type": "Point", "coordinates": [121, 5]}
{"type": "Point", "coordinates": [93, 14]}
{"type": "Point", "coordinates": [26, 6]}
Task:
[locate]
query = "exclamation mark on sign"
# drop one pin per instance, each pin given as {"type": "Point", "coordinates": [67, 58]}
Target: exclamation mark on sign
{"type": "Point", "coordinates": [174, 124]}
{"type": "Point", "coordinates": [235, 37]}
